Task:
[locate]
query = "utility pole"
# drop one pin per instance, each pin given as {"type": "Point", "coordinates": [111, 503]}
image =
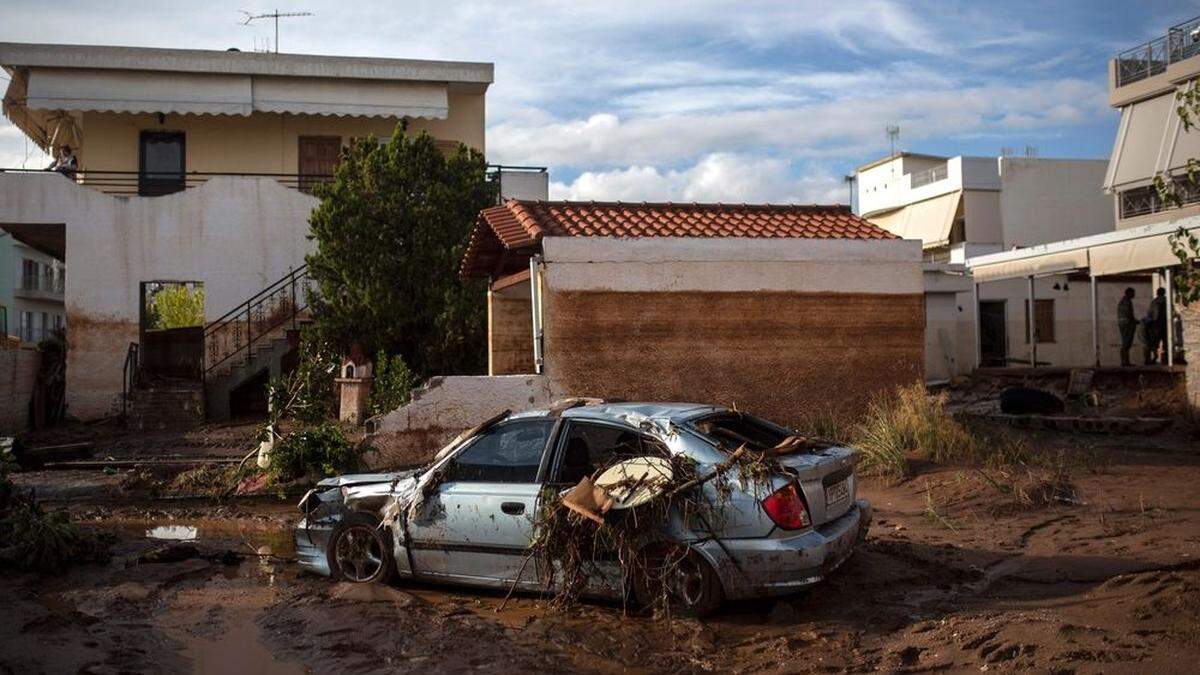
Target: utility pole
{"type": "Point", "coordinates": [276, 15]}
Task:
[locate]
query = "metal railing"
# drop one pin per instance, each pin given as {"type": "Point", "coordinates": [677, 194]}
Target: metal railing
{"type": "Point", "coordinates": [137, 183]}
{"type": "Point", "coordinates": [1182, 41]}
{"type": "Point", "coordinates": [244, 325]}
{"type": "Point", "coordinates": [130, 372]}
{"type": "Point", "coordinates": [930, 175]}
{"type": "Point", "coordinates": [42, 282]}
{"type": "Point", "coordinates": [1146, 200]}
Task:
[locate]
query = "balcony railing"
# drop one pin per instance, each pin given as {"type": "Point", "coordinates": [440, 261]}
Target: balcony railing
{"type": "Point", "coordinates": [1182, 41]}
{"type": "Point", "coordinates": [47, 284]}
{"type": "Point", "coordinates": [1146, 200]}
{"type": "Point", "coordinates": [930, 175]}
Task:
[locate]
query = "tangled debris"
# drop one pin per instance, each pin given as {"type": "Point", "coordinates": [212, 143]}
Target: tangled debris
{"type": "Point", "coordinates": [32, 539]}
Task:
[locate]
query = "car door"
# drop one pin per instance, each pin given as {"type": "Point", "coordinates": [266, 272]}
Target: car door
{"type": "Point", "coordinates": [476, 527]}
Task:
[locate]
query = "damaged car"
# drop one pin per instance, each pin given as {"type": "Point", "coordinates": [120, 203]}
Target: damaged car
{"type": "Point", "coordinates": [749, 508]}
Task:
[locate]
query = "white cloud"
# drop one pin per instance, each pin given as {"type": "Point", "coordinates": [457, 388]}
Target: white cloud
{"type": "Point", "coordinates": [718, 177]}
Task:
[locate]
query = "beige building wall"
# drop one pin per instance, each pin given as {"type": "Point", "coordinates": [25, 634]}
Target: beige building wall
{"type": "Point", "coordinates": [260, 142]}
{"type": "Point", "coordinates": [1047, 200]}
{"type": "Point", "coordinates": [981, 214]}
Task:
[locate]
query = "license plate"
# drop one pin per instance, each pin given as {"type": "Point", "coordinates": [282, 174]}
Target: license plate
{"type": "Point", "coordinates": [837, 492]}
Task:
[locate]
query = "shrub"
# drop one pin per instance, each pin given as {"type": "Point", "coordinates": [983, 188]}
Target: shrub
{"type": "Point", "coordinates": [393, 384]}
{"type": "Point", "coordinates": [321, 450]}
{"type": "Point", "coordinates": [910, 421]}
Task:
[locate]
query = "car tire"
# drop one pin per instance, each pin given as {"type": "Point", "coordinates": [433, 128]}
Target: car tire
{"type": "Point", "coordinates": [692, 586]}
{"type": "Point", "coordinates": [360, 550]}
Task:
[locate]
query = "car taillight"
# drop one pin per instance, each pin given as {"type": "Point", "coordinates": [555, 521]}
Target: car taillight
{"type": "Point", "coordinates": [786, 508]}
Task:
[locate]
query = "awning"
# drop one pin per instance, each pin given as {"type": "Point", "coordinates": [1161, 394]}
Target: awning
{"type": "Point", "coordinates": [1139, 148]}
{"type": "Point", "coordinates": [1053, 263]}
{"type": "Point", "coordinates": [230, 94]}
{"type": "Point", "coordinates": [930, 220]}
{"type": "Point", "coordinates": [1133, 255]}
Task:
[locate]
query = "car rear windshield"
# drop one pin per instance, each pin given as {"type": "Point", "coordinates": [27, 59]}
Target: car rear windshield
{"type": "Point", "coordinates": [730, 430]}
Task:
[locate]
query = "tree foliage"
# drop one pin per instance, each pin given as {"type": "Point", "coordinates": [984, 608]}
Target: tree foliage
{"type": "Point", "coordinates": [177, 305]}
{"type": "Point", "coordinates": [393, 384]}
{"type": "Point", "coordinates": [1171, 188]}
{"type": "Point", "coordinates": [391, 231]}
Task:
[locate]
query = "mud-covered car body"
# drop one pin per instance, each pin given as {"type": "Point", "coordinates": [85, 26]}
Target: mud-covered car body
{"type": "Point", "coordinates": [469, 516]}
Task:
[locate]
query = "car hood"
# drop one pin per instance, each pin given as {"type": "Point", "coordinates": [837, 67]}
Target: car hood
{"type": "Point", "coordinates": [365, 478]}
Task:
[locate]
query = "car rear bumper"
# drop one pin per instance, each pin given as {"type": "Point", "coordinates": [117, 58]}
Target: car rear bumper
{"type": "Point", "coordinates": [776, 566]}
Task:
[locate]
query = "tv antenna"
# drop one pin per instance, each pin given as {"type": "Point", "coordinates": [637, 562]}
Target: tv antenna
{"type": "Point", "coordinates": [893, 134]}
{"type": "Point", "coordinates": [276, 15]}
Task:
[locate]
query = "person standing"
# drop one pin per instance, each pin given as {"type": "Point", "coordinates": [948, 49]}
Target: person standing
{"type": "Point", "coordinates": [1158, 315]}
{"type": "Point", "coordinates": [1127, 324]}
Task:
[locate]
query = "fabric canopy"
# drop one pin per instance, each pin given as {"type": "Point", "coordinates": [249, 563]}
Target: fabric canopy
{"type": "Point", "coordinates": [1133, 255]}
{"type": "Point", "coordinates": [929, 220]}
{"type": "Point", "coordinates": [1032, 266]}
{"type": "Point", "coordinates": [230, 94]}
{"type": "Point", "coordinates": [1138, 150]}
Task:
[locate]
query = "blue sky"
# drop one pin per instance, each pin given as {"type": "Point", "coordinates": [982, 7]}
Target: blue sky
{"type": "Point", "coordinates": [697, 100]}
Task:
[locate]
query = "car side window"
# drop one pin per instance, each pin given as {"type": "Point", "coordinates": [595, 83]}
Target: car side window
{"type": "Point", "coordinates": [507, 453]}
{"type": "Point", "coordinates": [589, 448]}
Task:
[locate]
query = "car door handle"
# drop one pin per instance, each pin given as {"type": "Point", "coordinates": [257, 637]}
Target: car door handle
{"type": "Point", "coordinates": [513, 508]}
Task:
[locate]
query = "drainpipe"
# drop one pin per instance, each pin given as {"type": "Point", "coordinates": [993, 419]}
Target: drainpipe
{"type": "Point", "coordinates": [1170, 318]}
{"type": "Point", "coordinates": [975, 319]}
{"type": "Point", "coordinates": [1032, 330]}
{"type": "Point", "coordinates": [1095, 321]}
{"type": "Point", "coordinates": [535, 307]}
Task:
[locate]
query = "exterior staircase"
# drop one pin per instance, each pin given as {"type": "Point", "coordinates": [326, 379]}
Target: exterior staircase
{"type": "Point", "coordinates": [253, 342]}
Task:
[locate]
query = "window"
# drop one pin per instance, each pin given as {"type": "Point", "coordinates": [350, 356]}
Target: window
{"type": "Point", "coordinates": [732, 430]}
{"type": "Point", "coordinates": [31, 272]}
{"type": "Point", "coordinates": [161, 163]}
{"type": "Point", "coordinates": [1043, 317]}
{"type": "Point", "coordinates": [26, 328]}
{"type": "Point", "coordinates": [592, 447]}
{"type": "Point", "coordinates": [507, 453]}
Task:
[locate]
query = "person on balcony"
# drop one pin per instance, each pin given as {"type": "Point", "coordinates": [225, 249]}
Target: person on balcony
{"type": "Point", "coordinates": [65, 163]}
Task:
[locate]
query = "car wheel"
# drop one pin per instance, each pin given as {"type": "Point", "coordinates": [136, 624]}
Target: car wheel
{"type": "Point", "coordinates": [359, 550]}
{"type": "Point", "coordinates": [681, 577]}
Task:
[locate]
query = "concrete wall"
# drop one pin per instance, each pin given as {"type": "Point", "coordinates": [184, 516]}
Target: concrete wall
{"type": "Point", "coordinates": [1191, 344]}
{"type": "Point", "coordinates": [781, 327]}
{"type": "Point", "coordinates": [236, 235]}
{"type": "Point", "coordinates": [261, 142]}
{"type": "Point", "coordinates": [1047, 200]}
{"type": "Point", "coordinates": [445, 407]}
{"type": "Point", "coordinates": [18, 373]}
{"type": "Point", "coordinates": [510, 331]}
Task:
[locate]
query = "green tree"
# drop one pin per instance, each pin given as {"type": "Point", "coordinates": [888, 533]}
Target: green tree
{"type": "Point", "coordinates": [391, 230]}
{"type": "Point", "coordinates": [178, 306]}
{"type": "Point", "coordinates": [1171, 188]}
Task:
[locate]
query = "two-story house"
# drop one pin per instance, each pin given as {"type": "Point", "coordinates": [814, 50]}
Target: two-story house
{"type": "Point", "coordinates": [965, 207]}
{"type": "Point", "coordinates": [194, 172]}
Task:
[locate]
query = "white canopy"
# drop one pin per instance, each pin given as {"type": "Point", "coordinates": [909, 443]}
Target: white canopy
{"type": "Point", "coordinates": [1052, 263]}
{"type": "Point", "coordinates": [230, 94]}
{"type": "Point", "coordinates": [929, 220]}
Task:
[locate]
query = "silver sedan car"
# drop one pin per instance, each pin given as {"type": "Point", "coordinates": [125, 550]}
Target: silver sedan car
{"type": "Point", "coordinates": [469, 516]}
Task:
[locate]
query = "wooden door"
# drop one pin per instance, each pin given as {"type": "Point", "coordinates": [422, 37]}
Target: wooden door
{"type": "Point", "coordinates": [318, 157]}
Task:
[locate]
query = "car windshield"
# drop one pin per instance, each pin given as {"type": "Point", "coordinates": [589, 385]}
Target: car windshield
{"type": "Point", "coordinates": [730, 430]}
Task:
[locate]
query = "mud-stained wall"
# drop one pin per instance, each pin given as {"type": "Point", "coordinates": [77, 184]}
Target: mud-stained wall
{"type": "Point", "coordinates": [236, 235]}
{"type": "Point", "coordinates": [780, 354]}
{"type": "Point", "coordinates": [18, 373]}
{"type": "Point", "coordinates": [510, 331]}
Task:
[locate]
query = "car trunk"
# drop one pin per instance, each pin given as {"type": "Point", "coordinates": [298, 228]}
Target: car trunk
{"type": "Point", "coordinates": [825, 470]}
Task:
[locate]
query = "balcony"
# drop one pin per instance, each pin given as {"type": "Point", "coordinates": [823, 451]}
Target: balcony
{"type": "Point", "coordinates": [521, 182]}
{"type": "Point", "coordinates": [930, 175]}
{"type": "Point", "coordinates": [1143, 201]}
{"type": "Point", "coordinates": [40, 287]}
{"type": "Point", "coordinates": [1181, 42]}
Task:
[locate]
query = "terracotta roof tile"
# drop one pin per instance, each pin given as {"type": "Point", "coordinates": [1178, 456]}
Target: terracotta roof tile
{"type": "Point", "coordinates": [520, 224]}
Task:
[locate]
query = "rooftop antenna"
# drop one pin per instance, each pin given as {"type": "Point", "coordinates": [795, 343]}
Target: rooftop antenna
{"type": "Point", "coordinates": [893, 134]}
{"type": "Point", "coordinates": [276, 15]}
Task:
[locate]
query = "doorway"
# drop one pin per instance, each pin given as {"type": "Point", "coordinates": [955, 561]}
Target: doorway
{"type": "Point", "coordinates": [161, 163]}
{"type": "Point", "coordinates": [993, 334]}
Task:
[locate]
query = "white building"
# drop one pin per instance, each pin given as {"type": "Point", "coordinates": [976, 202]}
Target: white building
{"type": "Point", "coordinates": [962, 208]}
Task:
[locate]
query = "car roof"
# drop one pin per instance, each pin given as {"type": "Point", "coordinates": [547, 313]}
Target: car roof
{"type": "Point", "coordinates": [621, 412]}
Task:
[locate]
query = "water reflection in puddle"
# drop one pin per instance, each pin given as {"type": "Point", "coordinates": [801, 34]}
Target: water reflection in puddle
{"type": "Point", "coordinates": [174, 532]}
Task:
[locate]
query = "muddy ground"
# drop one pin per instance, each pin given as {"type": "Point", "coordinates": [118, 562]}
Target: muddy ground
{"type": "Point", "coordinates": [955, 576]}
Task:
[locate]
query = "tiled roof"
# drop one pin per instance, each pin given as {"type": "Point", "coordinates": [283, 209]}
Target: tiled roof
{"type": "Point", "coordinates": [517, 225]}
